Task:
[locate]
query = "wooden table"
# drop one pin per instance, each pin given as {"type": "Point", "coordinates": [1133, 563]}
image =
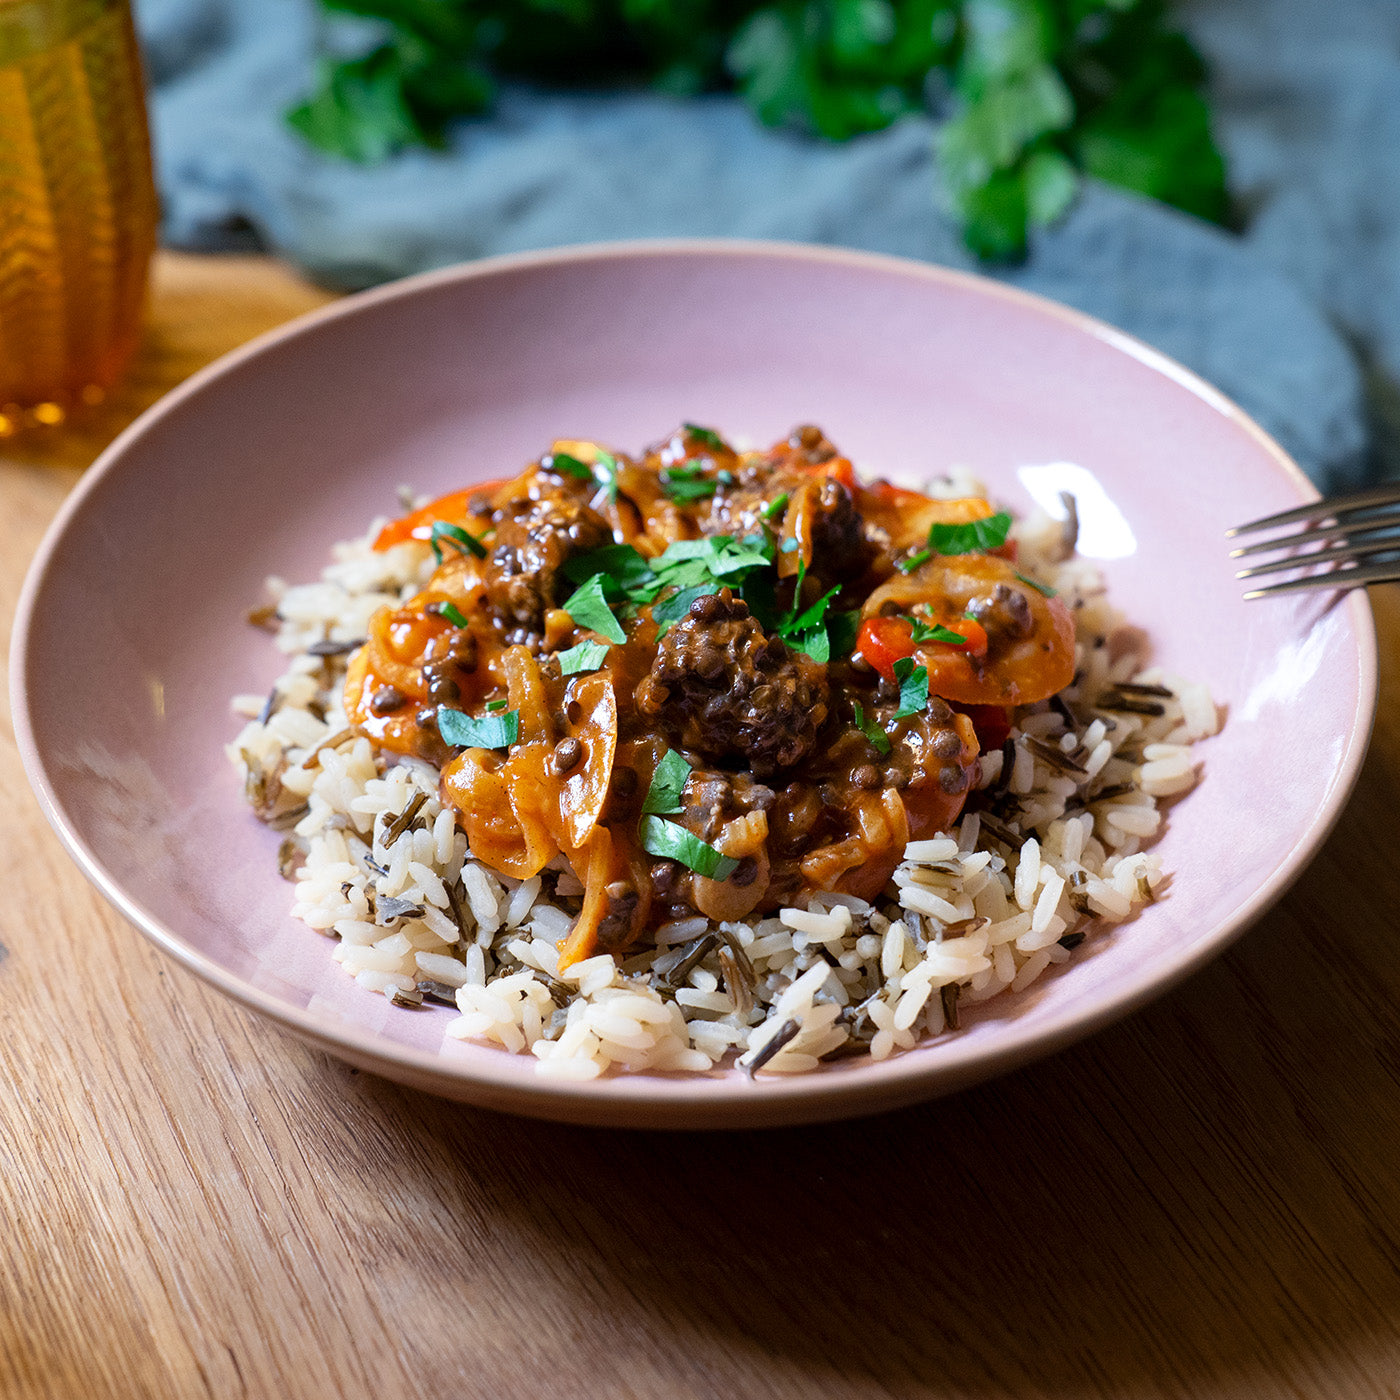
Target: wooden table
{"type": "Point", "coordinates": [1202, 1201]}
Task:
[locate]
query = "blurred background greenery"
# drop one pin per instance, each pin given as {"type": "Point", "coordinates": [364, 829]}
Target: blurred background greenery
{"type": "Point", "coordinates": [1028, 94]}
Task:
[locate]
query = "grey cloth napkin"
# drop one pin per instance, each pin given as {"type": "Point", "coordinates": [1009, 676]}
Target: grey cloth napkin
{"type": "Point", "coordinates": [1298, 318]}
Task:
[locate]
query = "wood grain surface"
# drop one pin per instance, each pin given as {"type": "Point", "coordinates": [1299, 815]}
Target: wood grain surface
{"type": "Point", "coordinates": [1202, 1201]}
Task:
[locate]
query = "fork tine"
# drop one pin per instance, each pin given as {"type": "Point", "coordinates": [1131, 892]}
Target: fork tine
{"type": "Point", "coordinates": [1339, 579]}
{"type": "Point", "coordinates": [1324, 556]}
{"type": "Point", "coordinates": [1366, 499]}
{"type": "Point", "coordinates": [1349, 529]}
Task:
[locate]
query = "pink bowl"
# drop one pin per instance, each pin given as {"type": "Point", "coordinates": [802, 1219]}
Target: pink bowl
{"type": "Point", "coordinates": [131, 635]}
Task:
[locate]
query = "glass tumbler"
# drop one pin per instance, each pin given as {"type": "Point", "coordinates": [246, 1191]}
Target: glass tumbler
{"type": "Point", "coordinates": [77, 205]}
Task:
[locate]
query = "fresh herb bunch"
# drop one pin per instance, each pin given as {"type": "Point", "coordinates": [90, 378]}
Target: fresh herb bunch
{"type": "Point", "coordinates": [1029, 93]}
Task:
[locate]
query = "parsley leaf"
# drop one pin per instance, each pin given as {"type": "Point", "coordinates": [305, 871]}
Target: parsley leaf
{"type": "Point", "coordinates": [457, 537]}
{"type": "Point", "coordinates": [923, 632]}
{"type": "Point", "coordinates": [671, 841]}
{"type": "Point", "coordinates": [570, 465]}
{"type": "Point", "coordinates": [687, 484]}
{"type": "Point", "coordinates": [589, 609]}
{"type": "Point", "coordinates": [913, 687]}
{"type": "Point", "coordinates": [625, 573]}
{"type": "Point", "coordinates": [1039, 587]}
{"type": "Point", "coordinates": [670, 610]}
{"type": "Point", "coordinates": [842, 629]}
{"type": "Point", "coordinates": [805, 621]}
{"type": "Point", "coordinates": [585, 657]}
{"type": "Point", "coordinates": [989, 533]}
{"type": "Point", "coordinates": [815, 642]}
{"type": "Point", "coordinates": [605, 474]}
{"type": "Point", "coordinates": [667, 784]}
{"type": "Point", "coordinates": [707, 436]}
{"type": "Point", "coordinates": [486, 732]}
{"type": "Point", "coordinates": [870, 729]}
{"type": "Point", "coordinates": [739, 556]}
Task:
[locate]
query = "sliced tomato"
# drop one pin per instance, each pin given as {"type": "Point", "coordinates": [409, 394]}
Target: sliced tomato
{"type": "Point", "coordinates": [418, 524]}
{"type": "Point", "coordinates": [972, 632]}
{"type": "Point", "coordinates": [883, 640]}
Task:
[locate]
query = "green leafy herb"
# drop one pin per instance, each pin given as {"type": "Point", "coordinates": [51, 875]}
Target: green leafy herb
{"type": "Point", "coordinates": [812, 617]}
{"type": "Point", "coordinates": [989, 533]}
{"type": "Point", "coordinates": [455, 536]}
{"type": "Point", "coordinates": [708, 436]}
{"type": "Point", "coordinates": [924, 632]}
{"type": "Point", "coordinates": [1039, 587]}
{"type": "Point", "coordinates": [624, 572]}
{"type": "Point", "coordinates": [667, 784]}
{"type": "Point", "coordinates": [870, 729]}
{"type": "Point", "coordinates": [1026, 93]}
{"type": "Point", "coordinates": [775, 507]}
{"type": "Point", "coordinates": [673, 842]}
{"type": "Point", "coordinates": [580, 659]}
{"type": "Point", "coordinates": [740, 556]}
{"type": "Point", "coordinates": [565, 462]}
{"type": "Point", "coordinates": [589, 609]}
{"type": "Point", "coordinates": [452, 613]}
{"type": "Point", "coordinates": [915, 561]}
{"type": "Point", "coordinates": [841, 630]}
{"type": "Point", "coordinates": [481, 732]}
{"type": "Point", "coordinates": [671, 609]}
{"type": "Point", "coordinates": [687, 483]}
{"type": "Point", "coordinates": [605, 474]}
{"type": "Point", "coordinates": [913, 687]}
{"type": "Point", "coordinates": [496, 707]}
{"type": "Point", "coordinates": [814, 641]}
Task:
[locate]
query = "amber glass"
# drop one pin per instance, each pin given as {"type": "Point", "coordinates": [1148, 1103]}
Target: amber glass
{"type": "Point", "coordinates": [77, 204]}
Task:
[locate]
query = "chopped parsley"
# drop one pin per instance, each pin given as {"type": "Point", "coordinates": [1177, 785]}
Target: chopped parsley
{"type": "Point", "coordinates": [586, 656]}
{"type": "Point", "coordinates": [667, 784]}
{"type": "Point", "coordinates": [455, 536]}
{"type": "Point", "coordinates": [1039, 587]}
{"type": "Point", "coordinates": [688, 483]}
{"type": "Point", "coordinates": [571, 466]}
{"type": "Point", "coordinates": [870, 729]}
{"type": "Point", "coordinates": [708, 436]}
{"type": "Point", "coordinates": [605, 474]}
{"type": "Point", "coordinates": [622, 569]}
{"type": "Point", "coordinates": [671, 609]}
{"type": "Point", "coordinates": [971, 536]}
{"type": "Point", "coordinates": [589, 610]}
{"type": "Point", "coordinates": [841, 630]}
{"type": "Point", "coordinates": [670, 841]}
{"type": "Point", "coordinates": [936, 632]}
{"type": "Point", "coordinates": [464, 731]}
{"type": "Point", "coordinates": [913, 687]}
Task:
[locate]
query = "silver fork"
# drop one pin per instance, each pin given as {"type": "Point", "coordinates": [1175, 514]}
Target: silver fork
{"type": "Point", "coordinates": [1350, 528]}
